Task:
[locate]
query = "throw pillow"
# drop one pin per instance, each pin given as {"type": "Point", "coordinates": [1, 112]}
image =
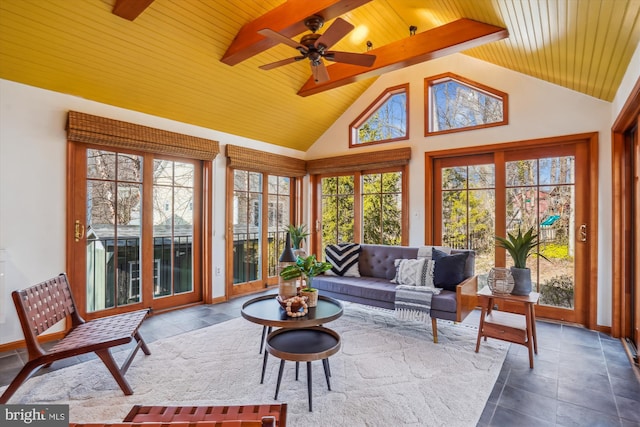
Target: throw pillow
{"type": "Point", "coordinates": [414, 272]}
{"type": "Point", "coordinates": [344, 259]}
{"type": "Point", "coordinates": [449, 269]}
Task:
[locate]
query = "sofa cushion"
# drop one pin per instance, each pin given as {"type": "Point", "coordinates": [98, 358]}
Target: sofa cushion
{"type": "Point", "coordinates": [366, 288]}
{"type": "Point", "coordinates": [444, 301]}
{"type": "Point", "coordinates": [378, 260]}
{"type": "Point", "coordinates": [344, 259]}
{"type": "Point", "coordinates": [449, 269]}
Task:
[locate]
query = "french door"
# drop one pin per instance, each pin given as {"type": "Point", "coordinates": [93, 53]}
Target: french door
{"type": "Point", "coordinates": [259, 210]}
{"type": "Point", "coordinates": [479, 196]}
{"type": "Point", "coordinates": [136, 223]}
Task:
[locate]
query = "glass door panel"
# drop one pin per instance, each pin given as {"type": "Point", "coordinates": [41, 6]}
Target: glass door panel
{"type": "Point", "coordinates": [173, 219]}
{"type": "Point", "coordinates": [541, 194]}
{"type": "Point", "coordinates": [468, 213]}
{"type": "Point", "coordinates": [113, 229]}
{"type": "Point", "coordinates": [279, 214]}
{"type": "Point", "coordinates": [247, 224]}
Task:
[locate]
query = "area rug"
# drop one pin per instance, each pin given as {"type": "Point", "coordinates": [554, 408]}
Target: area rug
{"type": "Point", "coordinates": [387, 373]}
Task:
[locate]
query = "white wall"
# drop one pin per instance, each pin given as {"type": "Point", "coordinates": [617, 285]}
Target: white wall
{"type": "Point", "coordinates": [537, 109]}
{"type": "Point", "coordinates": [33, 169]}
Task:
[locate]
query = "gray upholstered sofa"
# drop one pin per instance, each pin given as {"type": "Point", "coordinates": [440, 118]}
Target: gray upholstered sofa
{"type": "Point", "coordinates": [374, 287]}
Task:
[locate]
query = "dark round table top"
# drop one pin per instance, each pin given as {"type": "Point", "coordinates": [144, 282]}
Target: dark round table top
{"type": "Point", "coordinates": [265, 310]}
{"type": "Point", "coordinates": [304, 344]}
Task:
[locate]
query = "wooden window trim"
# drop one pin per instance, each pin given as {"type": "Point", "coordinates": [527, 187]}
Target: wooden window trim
{"type": "Point", "coordinates": [433, 80]}
{"type": "Point", "coordinates": [371, 109]}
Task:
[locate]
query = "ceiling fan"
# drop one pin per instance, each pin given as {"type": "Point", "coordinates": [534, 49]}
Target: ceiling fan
{"type": "Point", "coordinates": [316, 46]}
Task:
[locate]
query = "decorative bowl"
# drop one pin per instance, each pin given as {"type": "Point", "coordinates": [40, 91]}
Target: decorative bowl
{"type": "Point", "coordinates": [296, 302]}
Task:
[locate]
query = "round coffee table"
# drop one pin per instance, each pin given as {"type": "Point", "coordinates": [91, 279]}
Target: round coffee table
{"type": "Point", "coordinates": [266, 311]}
{"type": "Point", "coordinates": [304, 345]}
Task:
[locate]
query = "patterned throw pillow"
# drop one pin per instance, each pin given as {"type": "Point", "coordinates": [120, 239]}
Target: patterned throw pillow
{"type": "Point", "coordinates": [414, 272]}
{"type": "Point", "coordinates": [344, 259]}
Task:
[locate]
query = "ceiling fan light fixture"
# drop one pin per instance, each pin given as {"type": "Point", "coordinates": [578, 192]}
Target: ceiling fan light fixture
{"type": "Point", "coordinates": [314, 23]}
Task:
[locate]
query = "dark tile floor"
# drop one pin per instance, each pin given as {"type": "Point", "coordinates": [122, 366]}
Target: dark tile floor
{"type": "Point", "coordinates": [581, 377]}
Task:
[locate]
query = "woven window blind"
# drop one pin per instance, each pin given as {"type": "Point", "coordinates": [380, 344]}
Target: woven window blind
{"type": "Point", "coordinates": [97, 130]}
{"type": "Point", "coordinates": [261, 161]}
{"type": "Point", "coordinates": [358, 162]}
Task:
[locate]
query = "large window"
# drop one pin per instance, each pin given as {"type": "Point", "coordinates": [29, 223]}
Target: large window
{"type": "Point", "coordinates": [454, 104]}
{"type": "Point", "coordinates": [363, 207]}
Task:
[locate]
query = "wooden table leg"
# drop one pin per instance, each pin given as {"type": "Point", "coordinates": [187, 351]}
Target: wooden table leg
{"type": "Point", "coordinates": [482, 315]}
{"type": "Point", "coordinates": [533, 327]}
{"type": "Point", "coordinates": [529, 334]}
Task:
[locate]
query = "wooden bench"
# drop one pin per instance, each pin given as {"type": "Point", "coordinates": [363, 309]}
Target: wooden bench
{"type": "Point", "coordinates": [274, 415]}
{"type": "Point", "coordinates": [265, 422]}
{"type": "Point", "coordinates": [43, 305]}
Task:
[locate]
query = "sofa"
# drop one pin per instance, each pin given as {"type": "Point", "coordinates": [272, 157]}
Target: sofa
{"type": "Point", "coordinates": [374, 287]}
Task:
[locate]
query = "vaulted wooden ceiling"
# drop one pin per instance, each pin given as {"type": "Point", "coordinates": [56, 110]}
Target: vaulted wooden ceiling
{"type": "Point", "coordinates": [168, 60]}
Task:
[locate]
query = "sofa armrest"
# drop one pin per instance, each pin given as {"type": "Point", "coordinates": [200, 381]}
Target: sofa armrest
{"type": "Point", "coordinates": [466, 297]}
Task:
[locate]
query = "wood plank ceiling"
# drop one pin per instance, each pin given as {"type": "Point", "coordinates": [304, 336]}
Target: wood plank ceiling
{"type": "Point", "coordinates": [167, 61]}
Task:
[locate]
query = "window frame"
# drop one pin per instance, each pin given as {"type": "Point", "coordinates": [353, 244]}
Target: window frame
{"type": "Point", "coordinates": [429, 82]}
{"type": "Point", "coordinates": [316, 196]}
{"type": "Point", "coordinates": [372, 109]}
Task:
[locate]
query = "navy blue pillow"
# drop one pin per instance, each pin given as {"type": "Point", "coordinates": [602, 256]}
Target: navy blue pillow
{"type": "Point", "coordinates": [449, 269]}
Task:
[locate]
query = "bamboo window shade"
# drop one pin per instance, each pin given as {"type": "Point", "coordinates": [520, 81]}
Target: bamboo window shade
{"type": "Point", "coordinates": [90, 129]}
{"type": "Point", "coordinates": [261, 161]}
{"type": "Point", "coordinates": [358, 162]}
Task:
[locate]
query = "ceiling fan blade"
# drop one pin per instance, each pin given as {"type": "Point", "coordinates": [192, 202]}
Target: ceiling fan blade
{"type": "Point", "coordinates": [362, 59]}
{"type": "Point", "coordinates": [280, 63]}
{"type": "Point", "coordinates": [319, 71]}
{"type": "Point", "coordinates": [334, 33]}
{"type": "Point", "coordinates": [274, 35]}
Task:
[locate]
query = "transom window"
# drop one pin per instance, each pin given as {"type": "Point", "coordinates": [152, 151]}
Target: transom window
{"type": "Point", "coordinates": [455, 104]}
{"type": "Point", "coordinates": [385, 120]}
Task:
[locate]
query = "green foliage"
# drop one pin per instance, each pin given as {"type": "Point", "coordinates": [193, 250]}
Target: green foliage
{"type": "Point", "coordinates": [557, 292]}
{"type": "Point", "coordinates": [298, 235]}
{"type": "Point", "coordinates": [308, 267]}
{"type": "Point", "coordinates": [556, 251]}
{"type": "Point", "coordinates": [520, 246]}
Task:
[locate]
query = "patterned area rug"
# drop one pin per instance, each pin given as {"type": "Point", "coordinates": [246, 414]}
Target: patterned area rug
{"type": "Point", "coordinates": [388, 373]}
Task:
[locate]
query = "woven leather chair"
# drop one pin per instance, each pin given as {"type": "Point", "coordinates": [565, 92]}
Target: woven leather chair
{"type": "Point", "coordinates": [43, 305]}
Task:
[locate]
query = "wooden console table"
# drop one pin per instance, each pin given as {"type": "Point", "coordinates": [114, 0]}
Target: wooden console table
{"type": "Point", "coordinates": [515, 328]}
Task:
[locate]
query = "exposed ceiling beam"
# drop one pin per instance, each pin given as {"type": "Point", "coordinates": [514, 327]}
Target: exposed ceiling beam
{"type": "Point", "coordinates": [130, 9]}
{"type": "Point", "coordinates": [440, 41]}
{"type": "Point", "coordinates": [287, 19]}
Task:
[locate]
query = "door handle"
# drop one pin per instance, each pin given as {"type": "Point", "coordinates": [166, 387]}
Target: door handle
{"type": "Point", "coordinates": [582, 233]}
{"type": "Point", "coordinates": [79, 230]}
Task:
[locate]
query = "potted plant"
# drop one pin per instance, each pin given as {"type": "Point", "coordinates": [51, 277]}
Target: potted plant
{"type": "Point", "coordinates": [520, 247]}
{"type": "Point", "coordinates": [307, 268]}
{"type": "Point", "coordinates": [298, 236]}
